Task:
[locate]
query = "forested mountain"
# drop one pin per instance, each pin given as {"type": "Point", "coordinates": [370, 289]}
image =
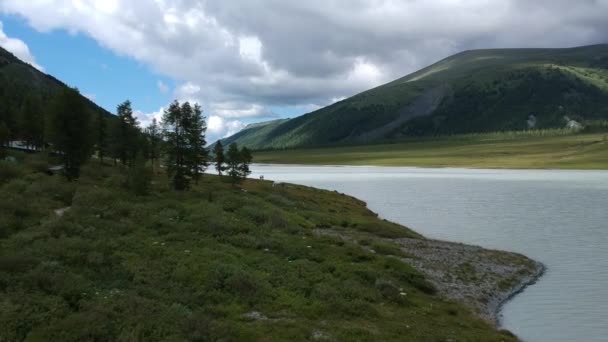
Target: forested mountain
{"type": "Point", "coordinates": [25, 94]}
{"type": "Point", "coordinates": [473, 91]}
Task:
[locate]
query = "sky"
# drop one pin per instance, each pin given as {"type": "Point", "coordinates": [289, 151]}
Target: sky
{"type": "Point", "coordinates": [257, 60]}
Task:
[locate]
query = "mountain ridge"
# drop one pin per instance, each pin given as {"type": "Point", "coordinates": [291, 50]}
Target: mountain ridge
{"type": "Point", "coordinates": [472, 91]}
{"type": "Point", "coordinates": [25, 90]}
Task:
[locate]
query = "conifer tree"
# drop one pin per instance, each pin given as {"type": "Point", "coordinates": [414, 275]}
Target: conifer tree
{"type": "Point", "coordinates": [102, 136]}
{"type": "Point", "coordinates": [218, 151]}
{"type": "Point", "coordinates": [233, 162]}
{"type": "Point", "coordinates": [31, 123]}
{"type": "Point", "coordinates": [245, 161]}
{"type": "Point", "coordinates": [184, 130]}
{"type": "Point", "coordinates": [153, 135]}
{"type": "Point", "coordinates": [126, 134]}
{"type": "Point", "coordinates": [176, 146]}
{"type": "Point", "coordinates": [195, 134]}
{"type": "Point", "coordinates": [70, 131]}
{"type": "Point", "coordinates": [4, 138]}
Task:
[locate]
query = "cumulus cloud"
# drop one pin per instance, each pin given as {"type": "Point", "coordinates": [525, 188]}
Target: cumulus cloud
{"type": "Point", "coordinates": [218, 127]}
{"type": "Point", "coordinates": [18, 48]}
{"type": "Point", "coordinates": [145, 119]}
{"type": "Point", "coordinates": [239, 58]}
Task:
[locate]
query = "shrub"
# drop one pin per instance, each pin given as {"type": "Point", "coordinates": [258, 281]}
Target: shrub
{"type": "Point", "coordinates": [407, 273]}
{"type": "Point", "coordinates": [139, 177]}
{"type": "Point", "coordinates": [388, 249]}
{"type": "Point", "coordinates": [390, 291]}
{"type": "Point", "coordinates": [256, 214]}
{"type": "Point", "coordinates": [9, 170]}
{"type": "Point", "coordinates": [16, 263]}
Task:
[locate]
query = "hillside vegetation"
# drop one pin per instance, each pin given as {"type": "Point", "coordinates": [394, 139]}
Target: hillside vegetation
{"type": "Point", "coordinates": [470, 92]}
{"type": "Point", "coordinates": [515, 150]}
{"type": "Point", "coordinates": [25, 95]}
{"type": "Point", "coordinates": [90, 261]}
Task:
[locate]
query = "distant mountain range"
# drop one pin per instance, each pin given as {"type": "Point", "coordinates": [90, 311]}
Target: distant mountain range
{"type": "Point", "coordinates": [473, 91]}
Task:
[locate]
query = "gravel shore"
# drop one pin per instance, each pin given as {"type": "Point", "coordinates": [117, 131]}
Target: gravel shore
{"type": "Point", "coordinates": [481, 279]}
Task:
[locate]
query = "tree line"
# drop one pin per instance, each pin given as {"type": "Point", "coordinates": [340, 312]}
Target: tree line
{"type": "Point", "coordinates": [176, 144]}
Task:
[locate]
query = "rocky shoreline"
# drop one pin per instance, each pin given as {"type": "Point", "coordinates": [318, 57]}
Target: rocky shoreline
{"type": "Point", "coordinates": [541, 269]}
{"type": "Point", "coordinates": [481, 279]}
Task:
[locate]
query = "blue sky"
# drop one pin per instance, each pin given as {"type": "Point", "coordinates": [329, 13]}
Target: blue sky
{"type": "Point", "coordinates": [99, 73]}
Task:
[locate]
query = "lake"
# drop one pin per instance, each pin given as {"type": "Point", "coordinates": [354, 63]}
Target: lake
{"type": "Point", "coordinates": [557, 217]}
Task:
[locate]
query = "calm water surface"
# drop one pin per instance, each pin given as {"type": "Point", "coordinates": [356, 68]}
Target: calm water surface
{"type": "Point", "coordinates": [557, 217]}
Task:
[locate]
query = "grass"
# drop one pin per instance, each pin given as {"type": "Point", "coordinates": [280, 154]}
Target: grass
{"type": "Point", "coordinates": [514, 151]}
{"type": "Point", "coordinates": [216, 263]}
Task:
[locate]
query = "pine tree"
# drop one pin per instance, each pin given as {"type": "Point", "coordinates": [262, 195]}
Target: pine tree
{"type": "Point", "coordinates": [153, 135]}
{"type": "Point", "coordinates": [218, 151]}
{"type": "Point", "coordinates": [31, 123]}
{"type": "Point", "coordinates": [245, 161]}
{"type": "Point", "coordinates": [195, 134]}
{"type": "Point", "coordinates": [127, 133]}
{"type": "Point", "coordinates": [176, 146]}
{"type": "Point", "coordinates": [70, 131]}
{"type": "Point", "coordinates": [102, 136]}
{"type": "Point", "coordinates": [233, 162]}
{"type": "Point", "coordinates": [184, 131]}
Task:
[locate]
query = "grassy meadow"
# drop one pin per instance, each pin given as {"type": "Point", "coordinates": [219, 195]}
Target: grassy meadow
{"type": "Point", "coordinates": [553, 150]}
{"type": "Point", "coordinates": [90, 261]}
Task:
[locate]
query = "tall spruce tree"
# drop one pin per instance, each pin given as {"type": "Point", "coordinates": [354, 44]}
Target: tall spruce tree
{"type": "Point", "coordinates": [245, 161]}
{"type": "Point", "coordinates": [31, 123]}
{"type": "Point", "coordinates": [233, 162]}
{"type": "Point", "coordinates": [102, 136]}
{"type": "Point", "coordinates": [220, 159]}
{"type": "Point", "coordinates": [176, 147]}
{"type": "Point", "coordinates": [195, 134]}
{"type": "Point", "coordinates": [184, 130]}
{"type": "Point", "coordinates": [126, 133]}
{"type": "Point", "coordinates": [153, 135]}
{"type": "Point", "coordinates": [70, 131]}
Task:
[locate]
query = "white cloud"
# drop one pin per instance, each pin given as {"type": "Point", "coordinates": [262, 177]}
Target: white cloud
{"type": "Point", "coordinates": [239, 58]}
{"type": "Point", "coordinates": [234, 110]}
{"type": "Point", "coordinates": [162, 87]}
{"type": "Point", "coordinates": [145, 119]}
{"type": "Point", "coordinates": [218, 128]}
{"type": "Point", "coordinates": [18, 48]}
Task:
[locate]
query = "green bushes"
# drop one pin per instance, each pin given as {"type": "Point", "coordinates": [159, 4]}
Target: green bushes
{"type": "Point", "coordinates": [174, 266]}
{"type": "Point", "coordinates": [17, 263]}
{"type": "Point", "coordinates": [9, 170]}
{"type": "Point", "coordinates": [385, 248]}
{"type": "Point", "coordinates": [139, 177]}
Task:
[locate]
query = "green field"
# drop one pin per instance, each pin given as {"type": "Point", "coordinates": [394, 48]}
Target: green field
{"type": "Point", "coordinates": [90, 261]}
{"type": "Point", "coordinates": [519, 151]}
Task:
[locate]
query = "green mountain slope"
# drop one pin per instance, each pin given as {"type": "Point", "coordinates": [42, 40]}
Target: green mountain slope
{"type": "Point", "coordinates": [473, 91]}
{"type": "Point", "coordinates": [25, 93]}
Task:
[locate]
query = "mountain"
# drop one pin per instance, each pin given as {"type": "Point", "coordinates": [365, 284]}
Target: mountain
{"type": "Point", "coordinates": [473, 91]}
{"type": "Point", "coordinates": [25, 93]}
